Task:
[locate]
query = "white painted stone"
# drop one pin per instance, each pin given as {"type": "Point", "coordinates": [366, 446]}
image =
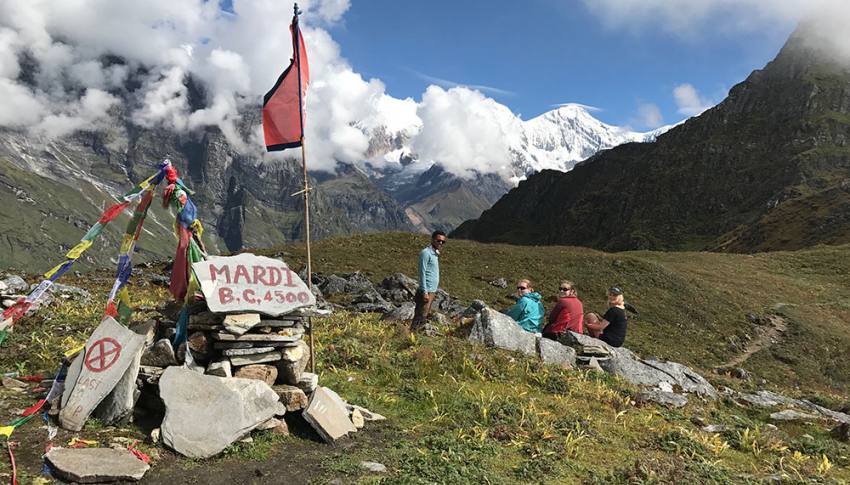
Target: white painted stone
{"type": "Point", "coordinates": [109, 351]}
{"type": "Point", "coordinates": [250, 283]}
{"type": "Point", "coordinates": [327, 416]}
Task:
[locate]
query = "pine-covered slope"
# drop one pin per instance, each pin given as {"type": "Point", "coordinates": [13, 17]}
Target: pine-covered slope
{"type": "Point", "coordinates": [765, 169]}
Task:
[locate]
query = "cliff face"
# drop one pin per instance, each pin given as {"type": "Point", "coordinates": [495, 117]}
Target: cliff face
{"type": "Point", "coordinates": [765, 169]}
{"type": "Point", "coordinates": [52, 190]}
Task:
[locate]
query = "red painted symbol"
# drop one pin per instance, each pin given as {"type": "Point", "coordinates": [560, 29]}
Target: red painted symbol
{"type": "Point", "coordinates": [102, 354]}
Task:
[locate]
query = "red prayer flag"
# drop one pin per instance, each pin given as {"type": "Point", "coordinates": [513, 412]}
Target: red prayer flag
{"type": "Point", "coordinates": [283, 105]}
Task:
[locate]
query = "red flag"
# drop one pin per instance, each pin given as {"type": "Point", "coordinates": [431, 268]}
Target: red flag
{"type": "Point", "coordinates": [283, 106]}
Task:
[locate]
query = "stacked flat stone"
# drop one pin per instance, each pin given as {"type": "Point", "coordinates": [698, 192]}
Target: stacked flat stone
{"type": "Point", "coordinates": [251, 345]}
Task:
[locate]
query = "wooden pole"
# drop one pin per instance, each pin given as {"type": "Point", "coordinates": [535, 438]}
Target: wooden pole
{"type": "Point", "coordinates": [297, 56]}
{"type": "Point", "coordinates": [309, 258]}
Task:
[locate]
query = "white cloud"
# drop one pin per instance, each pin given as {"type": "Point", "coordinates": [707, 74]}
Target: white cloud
{"type": "Point", "coordinates": [689, 101]}
{"type": "Point", "coordinates": [690, 19]}
{"type": "Point", "coordinates": [649, 115]}
{"type": "Point", "coordinates": [465, 131]}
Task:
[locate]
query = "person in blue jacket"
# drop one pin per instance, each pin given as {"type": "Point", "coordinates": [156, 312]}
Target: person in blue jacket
{"type": "Point", "coordinates": [528, 310]}
{"type": "Point", "coordinates": [429, 281]}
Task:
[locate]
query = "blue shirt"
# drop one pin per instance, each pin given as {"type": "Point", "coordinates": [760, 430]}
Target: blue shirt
{"type": "Point", "coordinates": [429, 270]}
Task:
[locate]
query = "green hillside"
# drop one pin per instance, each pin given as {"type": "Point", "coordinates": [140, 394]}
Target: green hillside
{"type": "Point", "coordinates": [464, 414]}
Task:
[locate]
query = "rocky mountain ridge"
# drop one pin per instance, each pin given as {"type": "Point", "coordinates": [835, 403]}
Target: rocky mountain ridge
{"type": "Point", "coordinates": [766, 169]}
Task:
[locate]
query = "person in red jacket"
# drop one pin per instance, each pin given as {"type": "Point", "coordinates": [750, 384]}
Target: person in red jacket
{"type": "Point", "coordinates": [567, 315]}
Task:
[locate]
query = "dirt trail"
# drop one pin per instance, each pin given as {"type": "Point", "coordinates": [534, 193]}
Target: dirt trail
{"type": "Point", "coordinates": [768, 329]}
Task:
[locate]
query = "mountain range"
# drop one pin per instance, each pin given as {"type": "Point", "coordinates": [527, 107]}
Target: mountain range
{"type": "Point", "coordinates": [766, 169]}
{"type": "Point", "coordinates": [51, 190]}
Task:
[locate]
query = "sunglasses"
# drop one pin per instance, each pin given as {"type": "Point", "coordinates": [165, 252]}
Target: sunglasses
{"type": "Point", "coordinates": [564, 289]}
{"type": "Point", "coordinates": [522, 287]}
{"type": "Point", "coordinates": [440, 241]}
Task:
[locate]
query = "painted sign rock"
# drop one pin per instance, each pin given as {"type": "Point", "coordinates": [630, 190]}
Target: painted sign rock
{"type": "Point", "coordinates": [108, 353]}
{"type": "Point", "coordinates": [247, 282]}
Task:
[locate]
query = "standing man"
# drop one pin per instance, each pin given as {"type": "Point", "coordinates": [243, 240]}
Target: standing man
{"type": "Point", "coordinates": [429, 280]}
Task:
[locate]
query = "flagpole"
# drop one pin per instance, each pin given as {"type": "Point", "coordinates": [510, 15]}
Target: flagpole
{"type": "Point", "coordinates": [306, 186]}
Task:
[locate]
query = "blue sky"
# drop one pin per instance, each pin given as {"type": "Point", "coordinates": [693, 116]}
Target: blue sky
{"type": "Point", "coordinates": [540, 53]}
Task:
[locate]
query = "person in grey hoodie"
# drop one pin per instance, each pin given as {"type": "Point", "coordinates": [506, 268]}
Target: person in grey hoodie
{"type": "Point", "coordinates": [429, 280]}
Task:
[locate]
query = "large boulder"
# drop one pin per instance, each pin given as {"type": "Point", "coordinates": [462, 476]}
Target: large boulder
{"type": "Point", "coordinates": [554, 353]}
{"type": "Point", "coordinates": [445, 303]}
{"type": "Point", "coordinates": [371, 301]}
{"type": "Point", "coordinates": [205, 414]}
{"type": "Point", "coordinates": [624, 363]}
{"type": "Point", "coordinates": [401, 313]}
{"type": "Point", "coordinates": [495, 329]}
{"type": "Point", "coordinates": [398, 288]}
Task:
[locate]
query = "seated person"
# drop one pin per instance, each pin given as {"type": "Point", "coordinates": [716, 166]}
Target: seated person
{"type": "Point", "coordinates": [527, 311]}
{"type": "Point", "coordinates": [611, 329]}
{"type": "Point", "coordinates": [568, 314]}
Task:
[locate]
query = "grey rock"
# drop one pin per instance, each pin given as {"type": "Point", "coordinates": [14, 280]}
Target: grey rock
{"type": "Point", "coordinates": [357, 282]}
{"type": "Point", "coordinates": [499, 283]}
{"type": "Point", "coordinates": [373, 467]}
{"type": "Point", "coordinates": [238, 324]}
{"type": "Point", "coordinates": [715, 428]}
{"type": "Point", "coordinates": [327, 416]}
{"type": "Point", "coordinates": [593, 364]}
{"type": "Point", "coordinates": [247, 351]}
{"type": "Point", "coordinates": [147, 328]}
{"type": "Point", "coordinates": [284, 335]}
{"type": "Point", "coordinates": [293, 362]}
{"type": "Point", "coordinates": [308, 382]}
{"type": "Point", "coordinates": [665, 398]}
{"type": "Point", "coordinates": [205, 414]}
{"type": "Point", "coordinates": [68, 291]}
{"type": "Point", "coordinates": [841, 432]}
{"type": "Point", "coordinates": [473, 309]}
{"type": "Point", "coordinates": [260, 372]}
{"type": "Point", "coordinates": [161, 354]}
{"type": "Point", "coordinates": [792, 415]}
{"type": "Point", "coordinates": [95, 465]}
{"type": "Point", "coordinates": [14, 284]}
{"type": "Point", "coordinates": [367, 414]}
{"type": "Point", "coordinates": [109, 351]}
{"type": "Point", "coordinates": [220, 368]}
{"type": "Point", "coordinates": [401, 313]}
{"type": "Point", "coordinates": [333, 285]}
{"type": "Point", "coordinates": [772, 399]}
{"type": "Point", "coordinates": [370, 301]}
{"type": "Point", "coordinates": [553, 353]}
{"type": "Point", "coordinates": [292, 397]}
{"type": "Point", "coordinates": [445, 303]}
{"type": "Point", "coordinates": [398, 288]}
{"type": "Point", "coordinates": [644, 372]}
{"type": "Point", "coordinates": [357, 419]}
{"type": "Point", "coordinates": [249, 359]}
{"type": "Point", "coordinates": [271, 423]}
{"type": "Point", "coordinates": [495, 329]}
{"type": "Point", "coordinates": [206, 318]}
{"type": "Point", "coordinates": [118, 404]}
{"type": "Point", "coordinates": [200, 345]}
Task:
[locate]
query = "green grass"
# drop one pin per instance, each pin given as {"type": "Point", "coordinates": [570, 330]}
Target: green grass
{"type": "Point", "coordinates": [691, 303]}
{"type": "Point", "coordinates": [459, 413]}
